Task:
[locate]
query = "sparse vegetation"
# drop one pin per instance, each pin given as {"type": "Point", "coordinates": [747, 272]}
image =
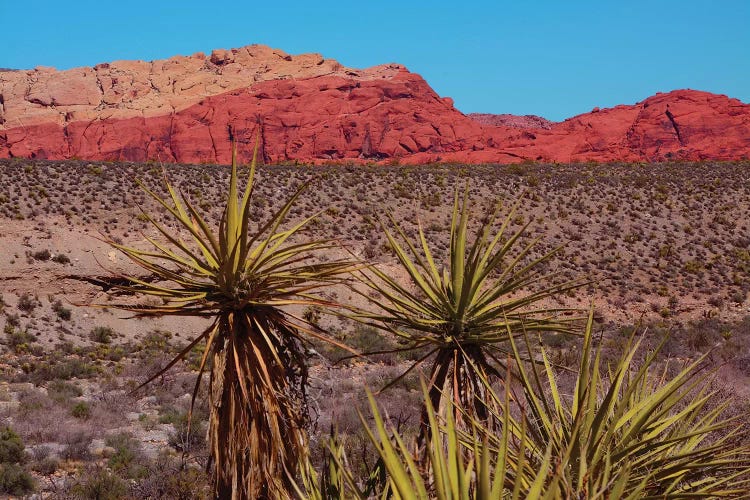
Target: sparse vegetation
{"type": "Point", "coordinates": [666, 241]}
{"type": "Point", "coordinates": [102, 334]}
{"type": "Point", "coordinates": [14, 478]}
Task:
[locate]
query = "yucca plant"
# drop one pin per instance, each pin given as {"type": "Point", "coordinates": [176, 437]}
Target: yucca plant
{"type": "Point", "coordinates": [633, 431]}
{"type": "Point", "coordinates": [463, 314]}
{"type": "Point", "coordinates": [459, 464]}
{"type": "Point", "coordinates": [243, 281]}
{"type": "Point", "coordinates": [336, 481]}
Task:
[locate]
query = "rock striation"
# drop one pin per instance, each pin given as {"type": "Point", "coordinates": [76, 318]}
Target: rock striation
{"type": "Point", "coordinates": [311, 109]}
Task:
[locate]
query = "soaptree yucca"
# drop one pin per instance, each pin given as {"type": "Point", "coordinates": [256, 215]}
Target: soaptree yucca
{"type": "Point", "coordinates": [242, 281]}
{"type": "Point", "coordinates": [461, 315]}
{"type": "Point", "coordinates": [632, 430]}
{"type": "Point", "coordinates": [459, 462]}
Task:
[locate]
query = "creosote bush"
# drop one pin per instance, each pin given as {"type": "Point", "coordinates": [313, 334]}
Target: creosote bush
{"type": "Point", "coordinates": [102, 334]}
{"type": "Point", "coordinates": [14, 479]}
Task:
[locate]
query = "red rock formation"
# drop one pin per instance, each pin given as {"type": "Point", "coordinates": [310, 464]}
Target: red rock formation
{"type": "Point", "coordinates": [306, 108]}
{"type": "Point", "coordinates": [513, 121]}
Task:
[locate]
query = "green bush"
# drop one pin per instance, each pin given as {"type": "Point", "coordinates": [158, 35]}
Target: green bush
{"type": "Point", "coordinates": [126, 457]}
{"type": "Point", "coordinates": [62, 391]}
{"type": "Point", "coordinates": [102, 334]}
{"type": "Point", "coordinates": [81, 410]}
{"type": "Point", "coordinates": [100, 484]}
{"type": "Point", "coordinates": [62, 312]}
{"type": "Point", "coordinates": [64, 369]}
{"type": "Point", "coordinates": [46, 466]}
{"type": "Point", "coordinates": [182, 440]}
{"type": "Point", "coordinates": [11, 447]}
{"type": "Point", "coordinates": [18, 340]}
{"type": "Point", "coordinates": [15, 480]}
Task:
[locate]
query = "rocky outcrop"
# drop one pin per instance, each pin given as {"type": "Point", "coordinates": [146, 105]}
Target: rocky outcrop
{"type": "Point", "coordinates": [513, 121]}
{"type": "Point", "coordinates": [311, 109]}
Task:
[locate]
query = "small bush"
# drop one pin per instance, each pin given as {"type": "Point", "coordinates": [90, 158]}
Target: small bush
{"type": "Point", "coordinates": [61, 391]}
{"type": "Point", "coordinates": [62, 312]}
{"type": "Point", "coordinates": [126, 457]}
{"type": "Point", "coordinates": [46, 466]}
{"type": "Point", "coordinates": [42, 255]}
{"type": "Point", "coordinates": [14, 480]}
{"type": "Point", "coordinates": [61, 258]}
{"type": "Point", "coordinates": [186, 442]}
{"type": "Point", "coordinates": [11, 447]}
{"type": "Point", "coordinates": [12, 321]}
{"type": "Point", "coordinates": [169, 478]}
{"type": "Point", "coordinates": [77, 446]}
{"type": "Point", "coordinates": [102, 334]}
{"type": "Point", "coordinates": [64, 369]}
{"type": "Point", "coordinates": [81, 410]}
{"type": "Point", "coordinates": [18, 340]}
{"type": "Point", "coordinates": [98, 483]}
{"type": "Point", "coordinates": [27, 303]}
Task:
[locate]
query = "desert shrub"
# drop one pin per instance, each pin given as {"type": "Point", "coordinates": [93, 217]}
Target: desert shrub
{"type": "Point", "coordinates": [188, 439]}
{"type": "Point", "coordinates": [63, 369]}
{"type": "Point", "coordinates": [97, 483]}
{"type": "Point", "coordinates": [12, 321]}
{"type": "Point", "coordinates": [27, 303]}
{"type": "Point", "coordinates": [31, 402]}
{"type": "Point", "coordinates": [702, 334]}
{"type": "Point", "coordinates": [738, 296]}
{"type": "Point", "coordinates": [18, 340]}
{"type": "Point", "coordinates": [42, 255]}
{"type": "Point", "coordinates": [169, 415]}
{"type": "Point", "coordinates": [102, 334]}
{"type": "Point", "coordinates": [170, 478]}
{"type": "Point", "coordinates": [155, 344]}
{"type": "Point", "coordinates": [46, 466]}
{"type": "Point", "coordinates": [62, 312]}
{"type": "Point", "coordinates": [62, 391]}
{"type": "Point", "coordinates": [81, 410]}
{"type": "Point", "coordinates": [365, 340]}
{"type": "Point", "coordinates": [77, 446]}
{"type": "Point", "coordinates": [312, 315]}
{"type": "Point", "coordinates": [11, 447]}
{"type": "Point", "coordinates": [15, 480]}
{"type": "Point", "coordinates": [61, 258]}
{"type": "Point", "coordinates": [127, 456]}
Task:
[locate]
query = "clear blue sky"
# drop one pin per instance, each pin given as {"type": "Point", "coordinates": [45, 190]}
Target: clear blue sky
{"type": "Point", "coordinates": [551, 58]}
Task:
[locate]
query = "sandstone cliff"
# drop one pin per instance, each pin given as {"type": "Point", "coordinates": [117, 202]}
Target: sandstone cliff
{"type": "Point", "coordinates": [311, 109]}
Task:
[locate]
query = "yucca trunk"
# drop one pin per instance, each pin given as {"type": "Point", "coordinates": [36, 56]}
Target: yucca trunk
{"type": "Point", "coordinates": [258, 418]}
{"type": "Point", "coordinates": [456, 382]}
